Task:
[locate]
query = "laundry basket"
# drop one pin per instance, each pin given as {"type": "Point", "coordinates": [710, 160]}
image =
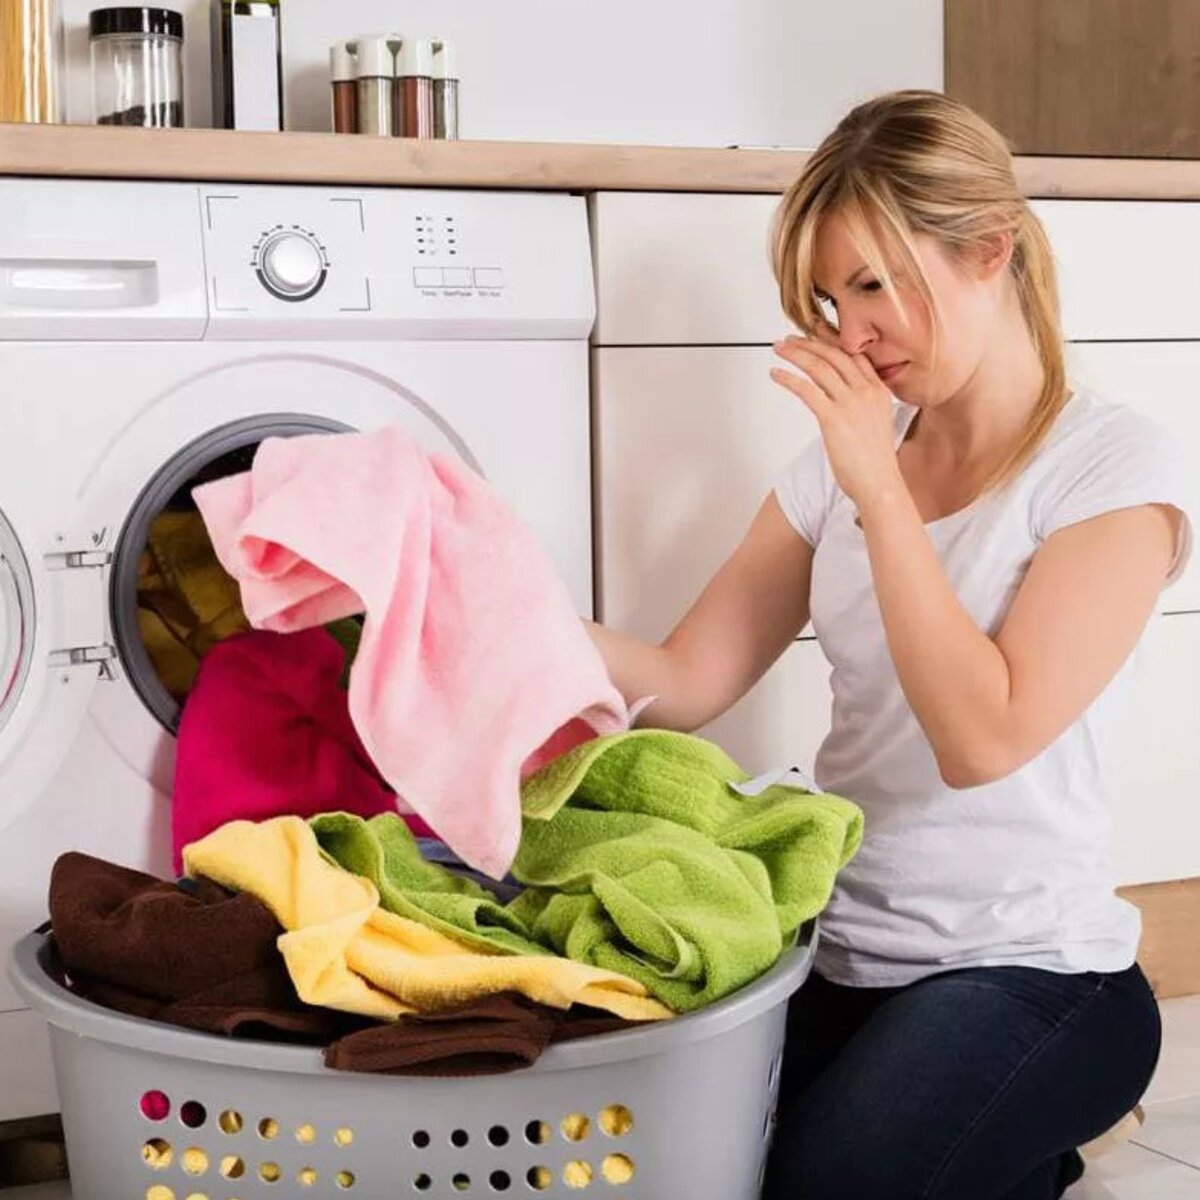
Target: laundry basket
{"type": "Point", "coordinates": [681, 1110]}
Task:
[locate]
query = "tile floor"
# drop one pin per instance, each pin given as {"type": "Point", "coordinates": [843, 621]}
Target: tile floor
{"type": "Point", "coordinates": [1161, 1163]}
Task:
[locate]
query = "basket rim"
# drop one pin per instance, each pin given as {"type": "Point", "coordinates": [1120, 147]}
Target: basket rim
{"type": "Point", "coordinates": [31, 972]}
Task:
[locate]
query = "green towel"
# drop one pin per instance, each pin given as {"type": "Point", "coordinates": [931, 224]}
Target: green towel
{"type": "Point", "coordinates": [641, 859]}
{"type": "Point", "coordinates": [384, 850]}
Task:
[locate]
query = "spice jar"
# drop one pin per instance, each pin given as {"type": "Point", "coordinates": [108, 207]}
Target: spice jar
{"type": "Point", "coordinates": [445, 91]}
{"type": "Point", "coordinates": [343, 88]}
{"type": "Point", "coordinates": [414, 89]}
{"type": "Point", "coordinates": [31, 61]}
{"type": "Point", "coordinates": [137, 66]}
{"type": "Point", "coordinates": [375, 69]}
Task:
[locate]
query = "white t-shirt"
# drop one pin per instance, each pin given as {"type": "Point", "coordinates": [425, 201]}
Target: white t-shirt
{"type": "Point", "coordinates": [1018, 871]}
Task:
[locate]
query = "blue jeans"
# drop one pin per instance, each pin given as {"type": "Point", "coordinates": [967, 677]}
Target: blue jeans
{"type": "Point", "coordinates": [971, 1085]}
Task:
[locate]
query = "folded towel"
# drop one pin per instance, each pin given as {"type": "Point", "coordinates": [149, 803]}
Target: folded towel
{"type": "Point", "coordinates": [345, 952]}
{"type": "Point", "coordinates": [266, 732]}
{"type": "Point", "coordinates": [200, 958]}
{"type": "Point", "coordinates": [644, 860]}
{"type": "Point", "coordinates": [472, 655]}
{"type": "Point", "coordinates": [384, 851]}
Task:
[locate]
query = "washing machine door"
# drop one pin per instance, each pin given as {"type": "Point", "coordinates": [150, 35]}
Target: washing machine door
{"type": "Point", "coordinates": [52, 653]}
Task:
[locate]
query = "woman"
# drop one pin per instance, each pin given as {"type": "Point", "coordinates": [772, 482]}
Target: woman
{"type": "Point", "coordinates": [979, 548]}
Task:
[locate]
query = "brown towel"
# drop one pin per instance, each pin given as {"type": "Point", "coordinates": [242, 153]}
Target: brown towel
{"type": "Point", "coordinates": [492, 1036]}
{"type": "Point", "coordinates": [204, 959]}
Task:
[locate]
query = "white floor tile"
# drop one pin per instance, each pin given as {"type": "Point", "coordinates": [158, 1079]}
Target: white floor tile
{"type": "Point", "coordinates": [1131, 1173]}
{"type": "Point", "coordinates": [1178, 1073]}
{"type": "Point", "coordinates": [1173, 1130]}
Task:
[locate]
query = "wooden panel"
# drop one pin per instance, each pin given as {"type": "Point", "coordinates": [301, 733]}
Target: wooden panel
{"type": "Point", "coordinates": [1111, 77]}
{"type": "Point", "coordinates": [94, 152]}
{"type": "Point", "coordinates": [1170, 948]}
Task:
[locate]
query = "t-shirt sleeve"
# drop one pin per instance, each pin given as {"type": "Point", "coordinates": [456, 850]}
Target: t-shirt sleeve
{"type": "Point", "coordinates": [1125, 461]}
{"type": "Point", "coordinates": [804, 491]}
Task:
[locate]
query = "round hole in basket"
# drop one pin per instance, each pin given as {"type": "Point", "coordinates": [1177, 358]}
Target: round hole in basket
{"type": "Point", "coordinates": [462, 1183]}
{"type": "Point", "coordinates": [194, 1161]}
{"type": "Point", "coordinates": [343, 1137]}
{"type": "Point", "coordinates": [498, 1135]}
{"type": "Point", "coordinates": [616, 1120]}
{"type": "Point", "coordinates": [618, 1169]}
{"type": "Point", "coordinates": [540, 1178]}
{"type": "Point", "coordinates": [232, 1167]}
{"type": "Point", "coordinates": [344, 1179]}
{"type": "Point", "coordinates": [197, 1196]}
{"type": "Point", "coordinates": [269, 1172]}
{"type": "Point", "coordinates": [158, 1192]}
{"type": "Point", "coordinates": [307, 1177]}
{"type": "Point", "coordinates": [230, 1122]}
{"type": "Point", "coordinates": [157, 1154]}
{"type": "Point", "coordinates": [500, 1181]}
{"type": "Point", "coordinates": [460, 1138]}
{"type": "Point", "coordinates": [155, 1106]}
{"type": "Point", "coordinates": [537, 1133]}
{"type": "Point", "coordinates": [578, 1174]}
{"type": "Point", "coordinates": [306, 1134]}
{"type": "Point", "coordinates": [422, 1183]}
{"type": "Point", "coordinates": [576, 1127]}
{"type": "Point", "coordinates": [268, 1129]}
{"type": "Point", "coordinates": [420, 1139]}
{"type": "Point", "coordinates": [193, 1114]}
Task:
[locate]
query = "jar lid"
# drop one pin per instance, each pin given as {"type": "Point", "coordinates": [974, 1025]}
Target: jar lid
{"type": "Point", "coordinates": [103, 22]}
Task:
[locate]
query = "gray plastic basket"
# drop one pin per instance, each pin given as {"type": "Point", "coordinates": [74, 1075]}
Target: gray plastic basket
{"type": "Point", "coordinates": [678, 1111]}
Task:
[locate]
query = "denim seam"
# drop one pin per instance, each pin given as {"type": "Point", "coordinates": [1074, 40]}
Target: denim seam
{"type": "Point", "coordinates": [1035, 1050]}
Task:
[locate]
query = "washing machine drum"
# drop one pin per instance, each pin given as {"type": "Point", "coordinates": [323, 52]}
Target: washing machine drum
{"type": "Point", "coordinates": [16, 620]}
{"type": "Point", "coordinates": [171, 599]}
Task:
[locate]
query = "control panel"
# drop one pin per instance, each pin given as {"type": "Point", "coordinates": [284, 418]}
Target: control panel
{"type": "Point", "coordinates": [415, 262]}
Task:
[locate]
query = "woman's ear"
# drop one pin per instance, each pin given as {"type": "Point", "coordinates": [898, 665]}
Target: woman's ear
{"type": "Point", "coordinates": [994, 255]}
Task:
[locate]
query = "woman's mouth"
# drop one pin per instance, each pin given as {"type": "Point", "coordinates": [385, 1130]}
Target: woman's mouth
{"type": "Point", "coordinates": [888, 371]}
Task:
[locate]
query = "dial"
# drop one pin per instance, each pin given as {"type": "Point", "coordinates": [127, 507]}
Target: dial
{"type": "Point", "coordinates": [291, 265]}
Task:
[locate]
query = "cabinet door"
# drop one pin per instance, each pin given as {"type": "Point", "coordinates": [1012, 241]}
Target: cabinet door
{"type": "Point", "coordinates": [688, 442]}
{"type": "Point", "coordinates": [1126, 268]}
{"type": "Point", "coordinates": [1160, 380]}
{"type": "Point", "coordinates": [676, 270]}
{"type": "Point", "coordinates": [1154, 761]}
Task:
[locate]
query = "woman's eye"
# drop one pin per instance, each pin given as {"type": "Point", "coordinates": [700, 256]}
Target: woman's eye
{"type": "Point", "coordinates": [872, 285]}
{"type": "Point", "coordinates": [828, 308]}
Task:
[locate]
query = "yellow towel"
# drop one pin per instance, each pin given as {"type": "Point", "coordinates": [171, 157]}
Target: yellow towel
{"type": "Point", "coordinates": [343, 951]}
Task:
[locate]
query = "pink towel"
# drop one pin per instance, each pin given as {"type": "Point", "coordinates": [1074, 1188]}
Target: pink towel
{"type": "Point", "coordinates": [266, 732]}
{"type": "Point", "coordinates": [472, 658]}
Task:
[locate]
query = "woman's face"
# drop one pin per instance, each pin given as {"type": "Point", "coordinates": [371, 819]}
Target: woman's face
{"type": "Point", "coordinates": [899, 341]}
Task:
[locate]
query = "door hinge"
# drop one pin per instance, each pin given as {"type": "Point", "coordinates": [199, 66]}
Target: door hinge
{"type": "Point", "coordinates": [74, 560]}
{"type": "Point", "coordinates": [104, 656]}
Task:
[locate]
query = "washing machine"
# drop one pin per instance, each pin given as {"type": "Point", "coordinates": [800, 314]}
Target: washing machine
{"type": "Point", "coordinates": [151, 335]}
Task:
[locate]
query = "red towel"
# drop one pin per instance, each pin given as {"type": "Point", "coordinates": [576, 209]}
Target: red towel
{"type": "Point", "coordinates": [266, 732]}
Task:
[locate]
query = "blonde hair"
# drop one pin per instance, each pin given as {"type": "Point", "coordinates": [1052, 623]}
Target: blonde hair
{"type": "Point", "coordinates": [917, 162]}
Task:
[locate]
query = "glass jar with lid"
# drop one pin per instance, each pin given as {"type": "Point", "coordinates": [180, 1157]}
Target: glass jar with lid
{"type": "Point", "coordinates": [137, 66]}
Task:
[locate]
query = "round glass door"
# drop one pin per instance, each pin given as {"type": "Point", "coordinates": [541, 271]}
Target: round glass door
{"type": "Point", "coordinates": [16, 621]}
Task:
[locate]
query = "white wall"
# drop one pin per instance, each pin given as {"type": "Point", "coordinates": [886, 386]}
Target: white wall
{"type": "Point", "coordinates": [656, 72]}
{"type": "Point", "coordinates": [666, 72]}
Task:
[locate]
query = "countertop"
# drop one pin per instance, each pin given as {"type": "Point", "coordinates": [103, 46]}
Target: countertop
{"type": "Point", "coordinates": [220, 155]}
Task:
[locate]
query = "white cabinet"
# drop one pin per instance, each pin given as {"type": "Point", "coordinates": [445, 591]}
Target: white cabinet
{"type": "Point", "coordinates": [688, 443]}
{"type": "Point", "coordinates": [1153, 764]}
{"type": "Point", "coordinates": [684, 270]}
{"type": "Point", "coordinates": [1127, 269]}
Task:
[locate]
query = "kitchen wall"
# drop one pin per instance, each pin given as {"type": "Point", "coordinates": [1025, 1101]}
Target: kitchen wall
{"type": "Point", "coordinates": [657, 72]}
